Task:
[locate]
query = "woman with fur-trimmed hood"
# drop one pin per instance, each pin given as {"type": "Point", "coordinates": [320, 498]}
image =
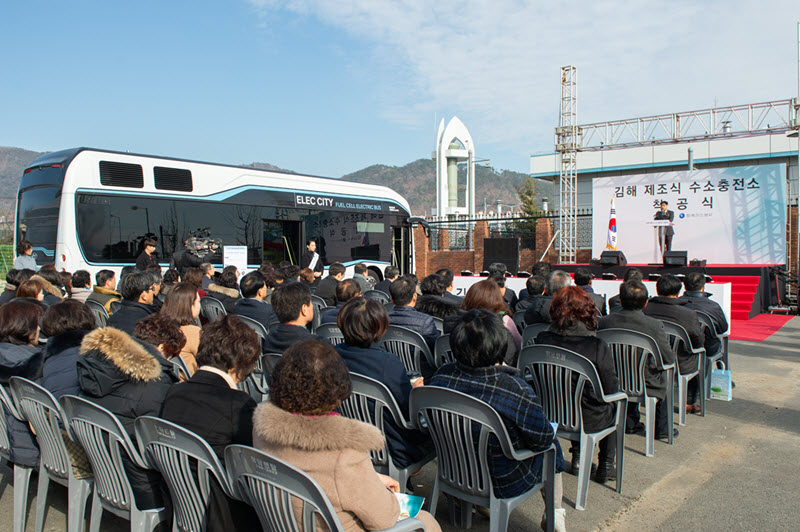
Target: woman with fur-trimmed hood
{"type": "Point", "coordinates": [299, 425]}
{"type": "Point", "coordinates": [51, 286]}
{"type": "Point", "coordinates": [130, 378]}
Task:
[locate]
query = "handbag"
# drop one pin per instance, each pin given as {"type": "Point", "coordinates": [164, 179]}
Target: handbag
{"type": "Point", "coordinates": [721, 384]}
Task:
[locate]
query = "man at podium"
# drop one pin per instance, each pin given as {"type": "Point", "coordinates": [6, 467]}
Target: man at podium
{"type": "Point", "coordinates": [666, 232]}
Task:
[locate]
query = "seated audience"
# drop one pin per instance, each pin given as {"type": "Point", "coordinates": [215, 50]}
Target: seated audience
{"type": "Point", "coordinates": [540, 270]}
{"type": "Point", "coordinates": [65, 324]}
{"type": "Point", "coordinates": [66, 284]}
{"type": "Point", "coordinates": [404, 297]}
{"type": "Point", "coordinates": [698, 300]}
{"type": "Point", "coordinates": [51, 284]}
{"type": "Point", "coordinates": [32, 289]}
{"type": "Point", "coordinates": [390, 273]}
{"type": "Point", "coordinates": [583, 280]}
{"type": "Point", "coordinates": [155, 278]}
{"type": "Point", "coordinates": [633, 297]}
{"type": "Point", "coordinates": [130, 378]}
{"type": "Point", "coordinates": [20, 356]}
{"type": "Point", "coordinates": [307, 277]}
{"type": "Point", "coordinates": [539, 309]}
{"type": "Point", "coordinates": [81, 286]}
{"type": "Point", "coordinates": [292, 273]}
{"type": "Point", "coordinates": [163, 333]}
{"type": "Point", "coordinates": [138, 291]}
{"type": "Point", "coordinates": [194, 276]}
{"type": "Point", "coordinates": [170, 279]}
{"type": "Point", "coordinates": [573, 326]}
{"type": "Point", "coordinates": [183, 305]}
{"type": "Point", "coordinates": [327, 286]}
{"type": "Point", "coordinates": [104, 291]}
{"type": "Point", "coordinates": [13, 279]}
{"type": "Point", "coordinates": [226, 290]}
{"type": "Point", "coordinates": [292, 304]}
{"type": "Point", "coordinates": [210, 405]}
{"type": "Point", "coordinates": [208, 274]}
{"type": "Point", "coordinates": [447, 275]}
{"type": "Point", "coordinates": [478, 343]}
{"type": "Point", "coordinates": [534, 287]}
{"type": "Point", "coordinates": [252, 305]}
{"type": "Point", "coordinates": [614, 304]}
{"type": "Point", "coordinates": [432, 300]}
{"type": "Point", "coordinates": [363, 323]}
{"type": "Point", "coordinates": [486, 295]}
{"type": "Point", "coordinates": [361, 277]}
{"type": "Point", "coordinates": [667, 306]}
{"type": "Point", "coordinates": [298, 424]}
{"type": "Point", "coordinates": [498, 268]}
{"type": "Point", "coordinates": [123, 274]}
{"type": "Point", "coordinates": [345, 291]}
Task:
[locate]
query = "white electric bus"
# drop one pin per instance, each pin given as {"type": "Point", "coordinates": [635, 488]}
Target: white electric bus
{"type": "Point", "coordinates": [92, 209]}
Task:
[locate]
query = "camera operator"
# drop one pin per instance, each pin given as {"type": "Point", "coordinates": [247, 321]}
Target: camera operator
{"type": "Point", "coordinates": [192, 256]}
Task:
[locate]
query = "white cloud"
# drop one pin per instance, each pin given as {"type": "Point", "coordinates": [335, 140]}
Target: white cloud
{"type": "Point", "coordinates": [496, 63]}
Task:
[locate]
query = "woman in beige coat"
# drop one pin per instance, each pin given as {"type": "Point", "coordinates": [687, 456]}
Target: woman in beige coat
{"type": "Point", "coordinates": [183, 305]}
{"type": "Point", "coordinates": [299, 425]}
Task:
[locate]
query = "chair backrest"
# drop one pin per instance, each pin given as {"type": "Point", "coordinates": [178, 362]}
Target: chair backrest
{"type": "Point", "coordinates": [408, 345]}
{"type": "Point", "coordinates": [38, 406]}
{"type": "Point", "coordinates": [531, 331]}
{"type": "Point", "coordinates": [102, 436]}
{"type": "Point", "coordinates": [707, 321]}
{"type": "Point", "coordinates": [442, 354]}
{"type": "Point", "coordinates": [114, 306]}
{"type": "Point", "coordinates": [377, 295]}
{"type": "Point", "coordinates": [368, 403]}
{"type": "Point", "coordinates": [255, 325]}
{"type": "Point", "coordinates": [271, 486]}
{"type": "Point", "coordinates": [519, 320]}
{"type": "Point", "coordinates": [180, 369]}
{"type": "Point", "coordinates": [268, 361]}
{"type": "Point", "coordinates": [460, 427]}
{"type": "Point", "coordinates": [187, 464]}
{"type": "Point", "coordinates": [211, 308]}
{"type": "Point", "coordinates": [439, 324]}
{"type": "Point", "coordinates": [8, 405]}
{"type": "Point", "coordinates": [331, 332]}
{"type": "Point", "coordinates": [558, 377]}
{"type": "Point", "coordinates": [630, 350]}
{"type": "Point", "coordinates": [99, 311]}
{"type": "Point", "coordinates": [319, 305]}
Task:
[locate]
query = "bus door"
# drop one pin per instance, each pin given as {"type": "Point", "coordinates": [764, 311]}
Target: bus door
{"type": "Point", "coordinates": [401, 249]}
{"type": "Point", "coordinates": [281, 241]}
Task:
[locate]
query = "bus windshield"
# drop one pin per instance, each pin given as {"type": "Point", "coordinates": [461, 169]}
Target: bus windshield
{"type": "Point", "coordinates": [38, 220]}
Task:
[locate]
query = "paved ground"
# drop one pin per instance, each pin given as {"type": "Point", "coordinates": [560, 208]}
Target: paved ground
{"type": "Point", "coordinates": [735, 469]}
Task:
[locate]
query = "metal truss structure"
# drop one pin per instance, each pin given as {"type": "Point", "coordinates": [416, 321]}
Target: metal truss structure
{"type": "Point", "coordinates": [567, 143]}
{"type": "Point", "coordinates": [750, 120]}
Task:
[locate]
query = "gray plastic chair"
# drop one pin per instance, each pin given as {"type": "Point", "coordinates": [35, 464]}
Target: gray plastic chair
{"type": "Point", "coordinates": [187, 464]}
{"type": "Point", "coordinates": [257, 326]}
{"type": "Point", "coordinates": [44, 413]}
{"type": "Point", "coordinates": [558, 377]}
{"type": "Point", "coordinates": [409, 346]}
{"type": "Point", "coordinates": [439, 324]}
{"type": "Point", "coordinates": [442, 354]}
{"type": "Point", "coordinates": [519, 321]}
{"type": "Point", "coordinates": [461, 426]}
{"type": "Point", "coordinates": [272, 486]}
{"type": "Point", "coordinates": [677, 335]}
{"type": "Point", "coordinates": [377, 295]}
{"type": "Point", "coordinates": [180, 369]}
{"type": "Point", "coordinates": [22, 474]}
{"type": "Point", "coordinates": [631, 351]}
{"type": "Point", "coordinates": [331, 332]}
{"type": "Point", "coordinates": [319, 305]}
{"type": "Point", "coordinates": [712, 358]}
{"type": "Point", "coordinates": [99, 311]}
{"type": "Point", "coordinates": [531, 331]}
{"type": "Point", "coordinates": [104, 439]}
{"type": "Point", "coordinates": [211, 308]}
{"type": "Point", "coordinates": [372, 402]}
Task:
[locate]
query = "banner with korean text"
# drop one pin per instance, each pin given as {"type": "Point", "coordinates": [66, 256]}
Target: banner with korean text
{"type": "Point", "coordinates": [733, 215]}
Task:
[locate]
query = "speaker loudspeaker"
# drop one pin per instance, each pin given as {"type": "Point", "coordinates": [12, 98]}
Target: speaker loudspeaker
{"type": "Point", "coordinates": [613, 258]}
{"type": "Point", "coordinates": [675, 258]}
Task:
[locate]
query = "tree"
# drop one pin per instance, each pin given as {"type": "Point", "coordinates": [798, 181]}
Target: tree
{"type": "Point", "coordinates": [525, 227]}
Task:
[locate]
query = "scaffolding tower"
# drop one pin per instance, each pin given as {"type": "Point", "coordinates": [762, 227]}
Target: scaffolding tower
{"type": "Point", "coordinates": [567, 143]}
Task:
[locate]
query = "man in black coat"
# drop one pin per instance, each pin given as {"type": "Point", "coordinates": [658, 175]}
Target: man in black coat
{"type": "Point", "coordinates": [538, 310]}
{"type": "Point", "coordinates": [138, 291]}
{"type": "Point", "coordinates": [583, 280]}
{"type": "Point", "coordinates": [254, 290]}
{"type": "Point", "coordinates": [390, 274]}
{"type": "Point", "coordinates": [447, 275]}
{"type": "Point", "coordinates": [404, 297]}
{"type": "Point", "coordinates": [614, 304]}
{"type": "Point", "coordinates": [510, 297]}
{"type": "Point", "coordinates": [345, 291]}
{"type": "Point", "coordinates": [699, 300]}
{"type": "Point", "coordinates": [292, 304]}
{"type": "Point", "coordinates": [311, 259]}
{"type": "Point", "coordinates": [534, 287]}
{"type": "Point", "coordinates": [665, 214]}
{"type": "Point", "coordinates": [633, 296]}
{"type": "Point", "coordinates": [667, 306]}
{"type": "Point", "coordinates": [327, 286]}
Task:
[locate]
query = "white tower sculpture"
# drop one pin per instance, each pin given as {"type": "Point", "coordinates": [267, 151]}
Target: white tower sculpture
{"type": "Point", "coordinates": [453, 145]}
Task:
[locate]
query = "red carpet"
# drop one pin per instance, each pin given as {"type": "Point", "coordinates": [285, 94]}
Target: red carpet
{"type": "Point", "coordinates": [743, 292]}
{"type": "Point", "coordinates": [759, 328]}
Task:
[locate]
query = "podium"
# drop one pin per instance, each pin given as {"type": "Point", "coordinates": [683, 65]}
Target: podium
{"type": "Point", "coordinates": [658, 238]}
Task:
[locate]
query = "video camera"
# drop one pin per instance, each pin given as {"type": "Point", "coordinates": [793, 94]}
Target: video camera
{"type": "Point", "coordinates": [200, 242]}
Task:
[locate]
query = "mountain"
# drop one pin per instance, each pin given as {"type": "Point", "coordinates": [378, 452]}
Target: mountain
{"type": "Point", "coordinates": [416, 181]}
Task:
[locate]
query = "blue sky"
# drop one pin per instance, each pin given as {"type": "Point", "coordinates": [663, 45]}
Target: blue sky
{"type": "Point", "coordinates": [329, 87]}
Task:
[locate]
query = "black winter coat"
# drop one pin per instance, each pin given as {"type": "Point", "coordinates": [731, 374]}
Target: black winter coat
{"type": "Point", "coordinates": [20, 361]}
{"type": "Point", "coordinates": [326, 289]}
{"type": "Point", "coordinates": [258, 310]}
{"type": "Point", "coordinates": [538, 310]}
{"type": "Point", "coordinates": [227, 296]}
{"type": "Point", "coordinates": [597, 415]}
{"type": "Point", "coordinates": [674, 309]}
{"type": "Point", "coordinates": [702, 302]}
{"type": "Point", "coordinates": [128, 314]}
{"type": "Point", "coordinates": [284, 335]}
{"type": "Point", "coordinates": [436, 306]}
{"type": "Point", "coordinates": [60, 367]}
